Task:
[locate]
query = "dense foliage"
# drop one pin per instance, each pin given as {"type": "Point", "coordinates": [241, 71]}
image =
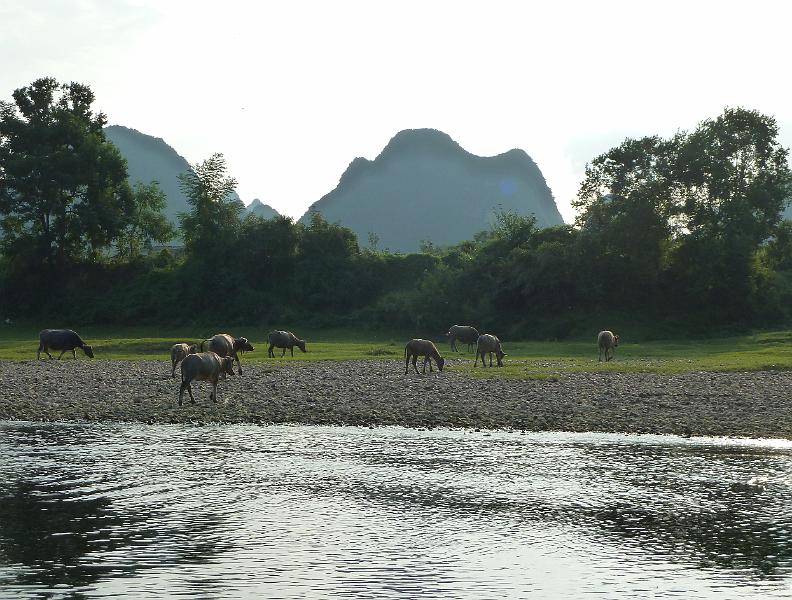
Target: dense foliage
{"type": "Point", "coordinates": [64, 193]}
{"type": "Point", "coordinates": [680, 232]}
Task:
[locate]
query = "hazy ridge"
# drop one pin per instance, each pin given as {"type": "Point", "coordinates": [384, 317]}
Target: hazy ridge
{"type": "Point", "coordinates": [425, 186]}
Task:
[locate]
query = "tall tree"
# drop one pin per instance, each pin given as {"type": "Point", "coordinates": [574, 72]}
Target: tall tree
{"type": "Point", "coordinates": [626, 221]}
{"type": "Point", "coordinates": [270, 250]}
{"type": "Point", "coordinates": [214, 220]}
{"type": "Point", "coordinates": [690, 211]}
{"type": "Point", "coordinates": [731, 182]}
{"type": "Point", "coordinates": [63, 187]}
{"type": "Point", "coordinates": [148, 224]}
{"type": "Point", "coordinates": [326, 255]}
{"type": "Point", "coordinates": [732, 175]}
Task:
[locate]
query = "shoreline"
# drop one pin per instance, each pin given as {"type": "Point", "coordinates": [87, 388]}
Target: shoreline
{"type": "Point", "coordinates": [752, 404]}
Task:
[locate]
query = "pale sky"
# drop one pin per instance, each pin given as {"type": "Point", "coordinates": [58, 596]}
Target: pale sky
{"type": "Point", "coordinates": [291, 92]}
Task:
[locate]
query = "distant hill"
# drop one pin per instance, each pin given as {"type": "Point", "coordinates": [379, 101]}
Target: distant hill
{"type": "Point", "coordinates": [265, 211]}
{"type": "Point", "coordinates": [151, 159]}
{"type": "Point", "coordinates": [425, 186]}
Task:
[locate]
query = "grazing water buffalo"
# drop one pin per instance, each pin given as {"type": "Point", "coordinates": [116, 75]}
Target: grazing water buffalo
{"type": "Point", "coordinates": [223, 344]}
{"type": "Point", "coordinates": [286, 340]}
{"type": "Point", "coordinates": [425, 348]}
{"type": "Point", "coordinates": [204, 366]}
{"type": "Point", "coordinates": [607, 342]}
{"type": "Point", "coordinates": [179, 352]}
{"type": "Point", "coordinates": [463, 333]}
{"type": "Point", "coordinates": [489, 344]}
{"type": "Point", "coordinates": [63, 340]}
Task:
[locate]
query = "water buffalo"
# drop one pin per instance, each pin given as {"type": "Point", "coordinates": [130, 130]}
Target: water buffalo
{"type": "Point", "coordinates": [223, 344]}
{"type": "Point", "coordinates": [489, 344]}
{"type": "Point", "coordinates": [607, 341]}
{"type": "Point", "coordinates": [425, 348]}
{"type": "Point", "coordinates": [463, 333]}
{"type": "Point", "coordinates": [179, 353]}
{"type": "Point", "coordinates": [204, 366]}
{"type": "Point", "coordinates": [63, 340]}
{"type": "Point", "coordinates": [286, 340]}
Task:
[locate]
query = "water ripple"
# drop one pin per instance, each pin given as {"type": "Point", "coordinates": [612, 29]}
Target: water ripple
{"type": "Point", "coordinates": [234, 511]}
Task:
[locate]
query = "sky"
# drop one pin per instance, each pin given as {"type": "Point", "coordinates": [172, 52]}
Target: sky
{"type": "Point", "coordinates": [291, 92]}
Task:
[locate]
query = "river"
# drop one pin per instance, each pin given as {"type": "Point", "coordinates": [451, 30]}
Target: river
{"type": "Point", "coordinates": [152, 511]}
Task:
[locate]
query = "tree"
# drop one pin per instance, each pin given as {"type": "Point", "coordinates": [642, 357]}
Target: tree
{"type": "Point", "coordinates": [214, 221]}
{"type": "Point", "coordinates": [687, 213]}
{"type": "Point", "coordinates": [325, 275]}
{"type": "Point", "coordinates": [626, 221]}
{"type": "Point", "coordinates": [731, 182]}
{"type": "Point", "coordinates": [148, 225]}
{"type": "Point", "coordinates": [270, 251]}
{"type": "Point", "coordinates": [778, 251]}
{"type": "Point", "coordinates": [63, 187]}
{"type": "Point", "coordinates": [731, 176]}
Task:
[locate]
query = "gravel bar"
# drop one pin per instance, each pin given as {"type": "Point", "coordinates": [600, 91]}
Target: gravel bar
{"type": "Point", "coordinates": [376, 393]}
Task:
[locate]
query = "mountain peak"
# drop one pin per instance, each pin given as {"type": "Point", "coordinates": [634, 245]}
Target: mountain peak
{"type": "Point", "coordinates": [411, 140]}
{"type": "Point", "coordinates": [425, 186]}
{"type": "Point", "coordinates": [150, 159]}
{"type": "Point", "coordinates": [258, 208]}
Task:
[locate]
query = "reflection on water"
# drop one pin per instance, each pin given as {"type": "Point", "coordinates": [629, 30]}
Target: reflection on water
{"type": "Point", "coordinates": [153, 511]}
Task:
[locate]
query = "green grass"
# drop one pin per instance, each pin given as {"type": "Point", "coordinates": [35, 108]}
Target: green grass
{"type": "Point", "coordinates": [21, 343]}
{"type": "Point", "coordinates": [543, 360]}
{"type": "Point", "coordinates": [546, 361]}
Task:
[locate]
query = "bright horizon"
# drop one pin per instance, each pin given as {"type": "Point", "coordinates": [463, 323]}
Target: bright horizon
{"type": "Point", "coordinates": [291, 94]}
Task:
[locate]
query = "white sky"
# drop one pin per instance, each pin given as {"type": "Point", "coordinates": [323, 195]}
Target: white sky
{"type": "Point", "coordinates": [291, 92]}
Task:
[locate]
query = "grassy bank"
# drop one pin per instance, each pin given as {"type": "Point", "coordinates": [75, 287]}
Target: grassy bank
{"type": "Point", "coordinates": [526, 360]}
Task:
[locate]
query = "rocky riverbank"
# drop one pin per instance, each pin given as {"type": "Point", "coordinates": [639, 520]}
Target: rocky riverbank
{"type": "Point", "coordinates": [372, 393]}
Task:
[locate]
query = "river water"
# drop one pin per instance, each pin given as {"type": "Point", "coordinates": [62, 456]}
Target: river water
{"type": "Point", "coordinates": [90, 511]}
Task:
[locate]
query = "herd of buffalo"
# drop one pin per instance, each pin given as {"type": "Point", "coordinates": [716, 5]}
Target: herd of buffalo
{"type": "Point", "coordinates": [222, 350]}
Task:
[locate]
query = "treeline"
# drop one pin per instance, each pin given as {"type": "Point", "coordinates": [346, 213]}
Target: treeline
{"type": "Point", "coordinates": [684, 232]}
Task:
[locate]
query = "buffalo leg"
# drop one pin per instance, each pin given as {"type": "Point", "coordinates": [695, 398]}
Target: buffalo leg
{"type": "Point", "coordinates": [61, 354]}
{"type": "Point", "coordinates": [284, 352]}
{"type": "Point", "coordinates": [406, 363]}
{"type": "Point", "coordinates": [185, 385]}
{"type": "Point", "coordinates": [414, 362]}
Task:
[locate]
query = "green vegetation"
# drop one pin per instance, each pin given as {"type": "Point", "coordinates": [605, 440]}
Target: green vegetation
{"type": "Point", "coordinates": [64, 192]}
{"type": "Point", "coordinates": [20, 343]}
{"type": "Point", "coordinates": [678, 237]}
{"type": "Point", "coordinates": [546, 361]}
